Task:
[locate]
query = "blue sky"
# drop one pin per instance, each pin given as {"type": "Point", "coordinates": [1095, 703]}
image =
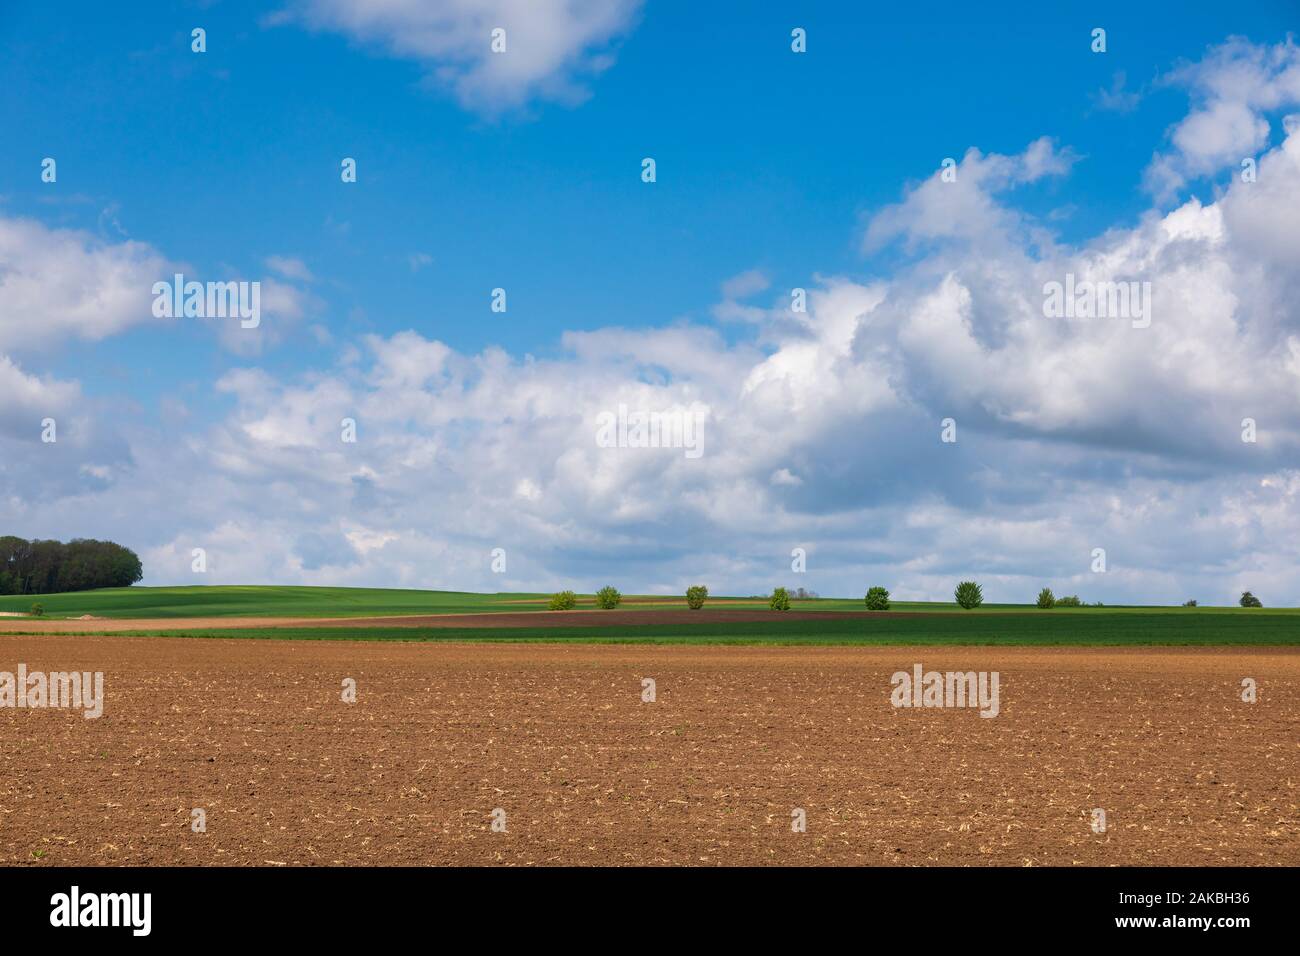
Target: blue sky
{"type": "Point", "coordinates": [770, 164]}
{"type": "Point", "coordinates": [766, 159]}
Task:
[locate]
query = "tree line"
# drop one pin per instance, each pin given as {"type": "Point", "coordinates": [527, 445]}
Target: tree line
{"type": "Point", "coordinates": [48, 567]}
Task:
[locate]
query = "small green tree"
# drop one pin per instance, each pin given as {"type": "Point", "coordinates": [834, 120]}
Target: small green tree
{"type": "Point", "coordinates": [695, 595]}
{"type": "Point", "coordinates": [877, 599]}
{"type": "Point", "coordinates": [564, 601]}
{"type": "Point", "coordinates": [1191, 603]}
{"type": "Point", "coordinates": [38, 609]}
{"type": "Point", "coordinates": [780, 600]}
{"type": "Point", "coordinates": [608, 598]}
{"type": "Point", "coordinates": [1249, 600]}
{"type": "Point", "coordinates": [969, 595]}
{"type": "Point", "coordinates": [1046, 599]}
{"type": "Point", "coordinates": [1069, 600]}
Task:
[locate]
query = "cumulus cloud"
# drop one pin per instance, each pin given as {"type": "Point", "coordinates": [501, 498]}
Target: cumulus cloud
{"type": "Point", "coordinates": [63, 285]}
{"type": "Point", "coordinates": [822, 430]}
{"type": "Point", "coordinates": [283, 306]}
{"type": "Point", "coordinates": [551, 46]}
{"type": "Point", "coordinates": [29, 399]}
{"type": "Point", "coordinates": [964, 204]}
{"type": "Point", "coordinates": [58, 285]}
{"type": "Point", "coordinates": [1231, 89]}
{"type": "Point", "coordinates": [54, 442]}
{"type": "Point", "coordinates": [1074, 433]}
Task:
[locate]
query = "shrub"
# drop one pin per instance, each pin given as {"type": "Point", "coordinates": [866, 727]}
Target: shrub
{"type": "Point", "coordinates": [877, 599]}
{"type": "Point", "coordinates": [564, 601]}
{"type": "Point", "coordinates": [1069, 600]}
{"type": "Point", "coordinates": [969, 595]}
{"type": "Point", "coordinates": [695, 595]}
{"type": "Point", "coordinates": [1046, 598]}
{"type": "Point", "coordinates": [38, 609]}
{"type": "Point", "coordinates": [1249, 600]}
{"type": "Point", "coordinates": [1191, 603]}
{"type": "Point", "coordinates": [608, 598]}
{"type": "Point", "coordinates": [780, 600]}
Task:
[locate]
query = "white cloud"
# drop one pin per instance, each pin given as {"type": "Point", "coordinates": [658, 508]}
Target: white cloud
{"type": "Point", "coordinates": [738, 287]}
{"type": "Point", "coordinates": [821, 430]}
{"type": "Point", "coordinates": [746, 284]}
{"type": "Point", "coordinates": [552, 46]}
{"type": "Point", "coordinates": [63, 285]}
{"type": "Point", "coordinates": [1116, 99]}
{"type": "Point", "coordinates": [1231, 89]}
{"type": "Point", "coordinates": [58, 285]}
{"type": "Point", "coordinates": [1073, 433]}
{"type": "Point", "coordinates": [28, 400]}
{"type": "Point", "coordinates": [966, 207]}
{"type": "Point", "coordinates": [86, 455]}
{"type": "Point", "coordinates": [282, 307]}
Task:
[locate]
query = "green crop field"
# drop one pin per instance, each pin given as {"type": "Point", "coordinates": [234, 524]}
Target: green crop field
{"type": "Point", "coordinates": [324, 602]}
{"type": "Point", "coordinates": [256, 601]}
{"type": "Point", "coordinates": [276, 601]}
{"type": "Point", "coordinates": [919, 623]}
{"type": "Point", "coordinates": [1102, 628]}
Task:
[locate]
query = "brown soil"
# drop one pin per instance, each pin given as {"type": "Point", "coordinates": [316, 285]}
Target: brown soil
{"type": "Point", "coordinates": [671, 600]}
{"type": "Point", "coordinates": [255, 733]}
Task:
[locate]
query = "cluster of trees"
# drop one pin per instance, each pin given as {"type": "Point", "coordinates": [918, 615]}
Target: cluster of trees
{"type": "Point", "coordinates": [967, 594]}
{"type": "Point", "coordinates": [1046, 599]}
{"type": "Point", "coordinates": [48, 567]}
{"type": "Point", "coordinates": [607, 598]}
{"type": "Point", "coordinates": [1247, 600]}
{"type": "Point", "coordinates": [563, 601]}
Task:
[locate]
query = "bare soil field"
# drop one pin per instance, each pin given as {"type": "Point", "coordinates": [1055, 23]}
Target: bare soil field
{"type": "Point", "coordinates": [557, 736]}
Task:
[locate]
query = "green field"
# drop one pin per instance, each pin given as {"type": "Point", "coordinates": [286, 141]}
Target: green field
{"type": "Point", "coordinates": [920, 623]}
{"type": "Point", "coordinates": [276, 601]}
{"type": "Point", "coordinates": [283, 601]}
{"type": "Point", "coordinates": [1102, 628]}
{"type": "Point", "coordinates": [257, 601]}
